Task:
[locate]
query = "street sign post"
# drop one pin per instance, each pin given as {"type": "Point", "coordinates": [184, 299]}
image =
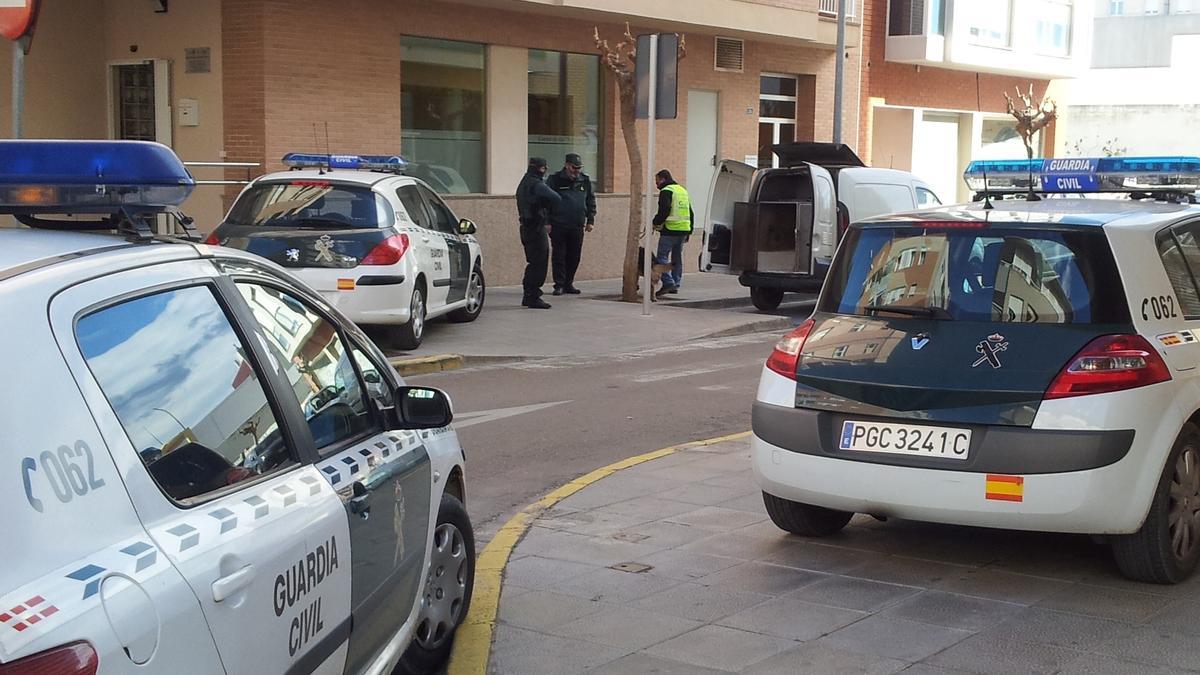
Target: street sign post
{"type": "Point", "coordinates": [17, 20]}
{"type": "Point", "coordinates": [656, 77]}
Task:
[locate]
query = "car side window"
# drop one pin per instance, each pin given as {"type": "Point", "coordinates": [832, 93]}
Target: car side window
{"type": "Point", "coordinates": [927, 198]}
{"type": "Point", "coordinates": [411, 199]}
{"type": "Point", "coordinates": [185, 391]}
{"type": "Point", "coordinates": [1180, 254]}
{"type": "Point", "coordinates": [378, 387]}
{"type": "Point", "coordinates": [316, 363]}
{"type": "Point", "coordinates": [443, 218]}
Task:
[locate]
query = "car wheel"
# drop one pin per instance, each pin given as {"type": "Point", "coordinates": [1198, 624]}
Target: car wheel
{"type": "Point", "coordinates": [409, 335]}
{"type": "Point", "coordinates": [804, 519]}
{"type": "Point", "coordinates": [1166, 548]}
{"type": "Point", "coordinates": [476, 290]}
{"type": "Point", "coordinates": [766, 299]}
{"type": "Point", "coordinates": [446, 597]}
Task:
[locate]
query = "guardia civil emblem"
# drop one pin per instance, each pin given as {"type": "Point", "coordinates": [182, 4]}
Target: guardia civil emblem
{"type": "Point", "coordinates": [324, 248]}
{"type": "Point", "coordinates": [990, 347]}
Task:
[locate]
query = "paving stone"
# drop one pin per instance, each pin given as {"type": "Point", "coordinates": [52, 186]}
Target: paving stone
{"type": "Point", "coordinates": [720, 647]}
{"type": "Point", "coordinates": [894, 638]}
{"type": "Point", "coordinates": [1181, 616]}
{"type": "Point", "coordinates": [761, 578]}
{"type": "Point", "coordinates": [538, 572]}
{"type": "Point", "coordinates": [817, 658]}
{"type": "Point", "coordinates": [926, 668]}
{"type": "Point", "coordinates": [792, 618]}
{"type": "Point", "coordinates": [701, 494]}
{"type": "Point", "coordinates": [625, 627]}
{"type": "Point", "coordinates": [852, 593]}
{"type": "Point", "coordinates": [685, 565]}
{"type": "Point", "coordinates": [539, 610]}
{"type": "Point", "coordinates": [987, 582]}
{"type": "Point", "coordinates": [618, 488]}
{"type": "Point", "coordinates": [716, 518]}
{"type": "Point", "coordinates": [1099, 664]}
{"type": "Point", "coordinates": [599, 551]}
{"type": "Point", "coordinates": [609, 585]}
{"type": "Point", "coordinates": [743, 480]}
{"type": "Point", "coordinates": [908, 571]}
{"type": "Point", "coordinates": [692, 472]}
{"type": "Point", "coordinates": [663, 535]}
{"type": "Point", "coordinates": [699, 603]}
{"type": "Point", "coordinates": [651, 508]}
{"type": "Point", "coordinates": [1035, 624]}
{"type": "Point", "coordinates": [820, 558]}
{"type": "Point", "coordinates": [595, 522]}
{"type": "Point", "coordinates": [516, 650]}
{"type": "Point", "coordinates": [750, 503]}
{"type": "Point", "coordinates": [983, 654]}
{"type": "Point", "coordinates": [1155, 645]}
{"type": "Point", "coordinates": [640, 663]}
{"type": "Point", "coordinates": [953, 611]}
{"type": "Point", "coordinates": [735, 545]}
{"type": "Point", "coordinates": [1108, 603]}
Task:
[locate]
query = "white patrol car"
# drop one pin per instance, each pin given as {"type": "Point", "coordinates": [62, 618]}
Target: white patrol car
{"type": "Point", "coordinates": [208, 468]}
{"type": "Point", "coordinates": [1025, 364]}
{"type": "Point", "coordinates": [380, 246]}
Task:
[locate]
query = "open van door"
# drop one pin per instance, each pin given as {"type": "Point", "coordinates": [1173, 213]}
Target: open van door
{"type": "Point", "coordinates": [730, 185]}
{"type": "Point", "coordinates": [825, 215]}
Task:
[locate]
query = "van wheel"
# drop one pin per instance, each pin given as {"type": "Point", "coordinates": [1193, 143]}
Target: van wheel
{"type": "Point", "coordinates": [476, 289]}
{"type": "Point", "coordinates": [408, 336]}
{"type": "Point", "coordinates": [766, 299]}
{"type": "Point", "coordinates": [446, 595]}
{"type": "Point", "coordinates": [1165, 550]}
{"type": "Point", "coordinates": [804, 519]}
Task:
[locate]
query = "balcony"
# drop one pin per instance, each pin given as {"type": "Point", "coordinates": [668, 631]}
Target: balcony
{"type": "Point", "coordinates": [829, 8]}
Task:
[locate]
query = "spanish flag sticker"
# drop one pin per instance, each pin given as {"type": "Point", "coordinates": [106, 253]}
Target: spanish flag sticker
{"type": "Point", "coordinates": [345, 284]}
{"type": "Point", "coordinates": [1004, 488]}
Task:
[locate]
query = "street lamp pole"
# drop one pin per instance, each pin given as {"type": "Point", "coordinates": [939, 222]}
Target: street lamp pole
{"type": "Point", "coordinates": [839, 71]}
{"type": "Point", "coordinates": [18, 87]}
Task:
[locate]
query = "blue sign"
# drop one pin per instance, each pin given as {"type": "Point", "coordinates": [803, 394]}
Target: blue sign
{"type": "Point", "coordinates": [1070, 175]}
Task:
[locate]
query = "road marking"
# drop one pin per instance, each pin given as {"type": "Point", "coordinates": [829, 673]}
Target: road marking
{"type": "Point", "coordinates": [715, 387]}
{"type": "Point", "coordinates": [670, 374]}
{"type": "Point", "coordinates": [463, 420]}
{"type": "Point", "coordinates": [473, 640]}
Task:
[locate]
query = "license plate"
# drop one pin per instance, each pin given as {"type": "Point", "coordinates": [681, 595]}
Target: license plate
{"type": "Point", "coordinates": [905, 439]}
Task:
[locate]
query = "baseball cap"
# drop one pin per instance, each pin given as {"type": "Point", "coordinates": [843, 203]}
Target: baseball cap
{"type": "Point", "coordinates": [537, 162]}
{"type": "Point", "coordinates": [574, 160]}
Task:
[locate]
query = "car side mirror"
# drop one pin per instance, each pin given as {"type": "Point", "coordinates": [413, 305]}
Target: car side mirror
{"type": "Point", "coordinates": [423, 408]}
{"type": "Point", "coordinates": [465, 226]}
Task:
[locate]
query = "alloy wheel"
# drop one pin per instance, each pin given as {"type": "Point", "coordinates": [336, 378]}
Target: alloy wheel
{"type": "Point", "coordinates": [1184, 514]}
{"type": "Point", "coordinates": [445, 588]}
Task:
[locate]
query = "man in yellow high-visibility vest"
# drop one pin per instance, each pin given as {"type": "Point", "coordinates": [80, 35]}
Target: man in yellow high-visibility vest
{"type": "Point", "coordinates": [673, 222]}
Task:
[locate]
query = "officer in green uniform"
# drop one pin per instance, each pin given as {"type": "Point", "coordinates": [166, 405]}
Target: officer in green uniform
{"type": "Point", "coordinates": [673, 222]}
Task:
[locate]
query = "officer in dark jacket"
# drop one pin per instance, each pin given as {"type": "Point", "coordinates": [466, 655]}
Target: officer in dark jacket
{"type": "Point", "coordinates": [534, 200]}
{"type": "Point", "coordinates": [575, 213]}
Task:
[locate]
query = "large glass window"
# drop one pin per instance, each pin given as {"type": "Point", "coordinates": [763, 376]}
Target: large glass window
{"type": "Point", "coordinates": [1052, 33]}
{"type": "Point", "coordinates": [442, 112]}
{"type": "Point", "coordinates": [564, 108]}
{"type": "Point", "coordinates": [184, 389]}
{"type": "Point", "coordinates": [906, 17]}
{"type": "Point", "coordinates": [991, 23]}
{"type": "Point", "coordinates": [777, 103]}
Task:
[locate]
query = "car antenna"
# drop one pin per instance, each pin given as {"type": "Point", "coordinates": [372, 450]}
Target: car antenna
{"type": "Point", "coordinates": [987, 196]}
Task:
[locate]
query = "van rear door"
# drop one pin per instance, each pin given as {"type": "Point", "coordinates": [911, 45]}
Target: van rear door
{"type": "Point", "coordinates": [824, 227]}
{"type": "Point", "coordinates": [730, 185]}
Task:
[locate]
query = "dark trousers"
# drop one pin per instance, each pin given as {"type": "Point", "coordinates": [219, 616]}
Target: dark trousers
{"type": "Point", "coordinates": [568, 245]}
{"type": "Point", "coordinates": [537, 257]}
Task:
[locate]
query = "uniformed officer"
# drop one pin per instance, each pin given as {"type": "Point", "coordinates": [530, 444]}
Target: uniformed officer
{"type": "Point", "coordinates": [673, 222]}
{"type": "Point", "coordinates": [534, 200]}
{"type": "Point", "coordinates": [575, 213]}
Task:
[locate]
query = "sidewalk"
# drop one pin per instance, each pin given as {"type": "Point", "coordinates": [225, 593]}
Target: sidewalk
{"type": "Point", "coordinates": [672, 566]}
{"type": "Point", "coordinates": [587, 324]}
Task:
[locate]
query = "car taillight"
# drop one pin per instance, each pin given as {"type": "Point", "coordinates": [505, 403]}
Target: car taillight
{"type": "Point", "coordinates": [1110, 363]}
{"type": "Point", "coordinates": [77, 658]}
{"type": "Point", "coordinates": [786, 357]}
{"type": "Point", "coordinates": [213, 240]}
{"type": "Point", "coordinates": [387, 252]}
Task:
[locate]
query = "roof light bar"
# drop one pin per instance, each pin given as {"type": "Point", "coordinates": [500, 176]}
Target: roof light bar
{"type": "Point", "coordinates": [1085, 174]}
{"type": "Point", "coordinates": [307, 160]}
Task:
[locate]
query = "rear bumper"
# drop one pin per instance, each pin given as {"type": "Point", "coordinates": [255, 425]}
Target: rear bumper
{"type": "Point", "coordinates": [380, 298]}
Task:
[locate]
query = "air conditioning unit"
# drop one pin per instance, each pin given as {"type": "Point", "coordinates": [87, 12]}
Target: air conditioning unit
{"type": "Point", "coordinates": [729, 55]}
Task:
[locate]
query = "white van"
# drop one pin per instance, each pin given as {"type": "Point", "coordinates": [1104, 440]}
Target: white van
{"type": "Point", "coordinates": [777, 228]}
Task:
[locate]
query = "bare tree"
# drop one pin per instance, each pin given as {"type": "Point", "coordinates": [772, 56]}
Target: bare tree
{"type": "Point", "coordinates": [621, 61]}
{"type": "Point", "coordinates": [1031, 119]}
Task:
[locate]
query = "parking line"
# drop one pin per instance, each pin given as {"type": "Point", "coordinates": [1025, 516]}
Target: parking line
{"type": "Point", "coordinates": [473, 641]}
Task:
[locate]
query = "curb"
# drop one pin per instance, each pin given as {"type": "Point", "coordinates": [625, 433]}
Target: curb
{"type": "Point", "coordinates": [773, 324]}
{"type": "Point", "coordinates": [426, 364]}
{"type": "Point", "coordinates": [473, 640]}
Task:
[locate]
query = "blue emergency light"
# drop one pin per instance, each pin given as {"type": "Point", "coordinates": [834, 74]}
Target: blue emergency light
{"type": "Point", "coordinates": [1085, 174]}
{"type": "Point", "coordinates": [308, 160]}
{"type": "Point", "coordinates": [90, 177]}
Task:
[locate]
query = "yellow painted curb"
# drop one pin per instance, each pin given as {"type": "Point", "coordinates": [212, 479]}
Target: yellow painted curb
{"type": "Point", "coordinates": [426, 364]}
{"type": "Point", "coordinates": [473, 641]}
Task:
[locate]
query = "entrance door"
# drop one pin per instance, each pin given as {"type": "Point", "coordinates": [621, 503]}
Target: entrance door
{"type": "Point", "coordinates": [701, 148]}
{"type": "Point", "coordinates": [139, 95]}
{"type": "Point", "coordinates": [935, 152]}
{"type": "Point", "coordinates": [776, 115]}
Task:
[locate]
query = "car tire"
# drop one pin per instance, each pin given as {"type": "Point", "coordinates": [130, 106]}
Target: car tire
{"type": "Point", "coordinates": [408, 336]}
{"type": "Point", "coordinates": [805, 520]}
{"type": "Point", "coordinates": [476, 291]}
{"type": "Point", "coordinates": [433, 636]}
{"type": "Point", "coordinates": [766, 299]}
{"type": "Point", "coordinates": [1167, 547]}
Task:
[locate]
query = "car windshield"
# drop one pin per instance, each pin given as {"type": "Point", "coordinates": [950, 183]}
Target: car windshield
{"type": "Point", "coordinates": [977, 273]}
{"type": "Point", "coordinates": [311, 204]}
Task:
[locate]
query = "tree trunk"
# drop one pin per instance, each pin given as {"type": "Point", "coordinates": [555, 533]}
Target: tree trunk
{"type": "Point", "coordinates": [629, 276]}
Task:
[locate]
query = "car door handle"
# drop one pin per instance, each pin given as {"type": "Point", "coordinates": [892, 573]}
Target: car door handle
{"type": "Point", "coordinates": [425, 239]}
{"type": "Point", "coordinates": [360, 503]}
{"type": "Point", "coordinates": [227, 585]}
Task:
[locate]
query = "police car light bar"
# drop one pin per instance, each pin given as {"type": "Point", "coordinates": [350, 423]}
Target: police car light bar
{"type": "Point", "coordinates": [1085, 174]}
{"type": "Point", "coordinates": [90, 177]}
{"type": "Point", "coordinates": [307, 160]}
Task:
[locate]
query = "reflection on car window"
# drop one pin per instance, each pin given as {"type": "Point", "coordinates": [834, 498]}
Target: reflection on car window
{"type": "Point", "coordinates": [1180, 254]}
{"type": "Point", "coordinates": [411, 199]}
{"type": "Point", "coordinates": [378, 388]}
{"type": "Point", "coordinates": [927, 198]}
{"type": "Point", "coordinates": [184, 390]}
{"type": "Point", "coordinates": [311, 204]}
{"type": "Point", "coordinates": [444, 220]}
{"type": "Point", "coordinates": [315, 362]}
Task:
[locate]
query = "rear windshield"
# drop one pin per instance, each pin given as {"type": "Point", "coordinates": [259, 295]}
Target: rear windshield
{"type": "Point", "coordinates": [311, 204]}
{"type": "Point", "coordinates": [988, 273]}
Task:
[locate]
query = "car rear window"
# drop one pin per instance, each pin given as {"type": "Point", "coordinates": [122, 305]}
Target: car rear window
{"type": "Point", "coordinates": [978, 273]}
{"type": "Point", "coordinates": [311, 204]}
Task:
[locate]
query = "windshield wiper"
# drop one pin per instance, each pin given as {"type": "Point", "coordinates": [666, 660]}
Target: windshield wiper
{"type": "Point", "coordinates": [923, 312]}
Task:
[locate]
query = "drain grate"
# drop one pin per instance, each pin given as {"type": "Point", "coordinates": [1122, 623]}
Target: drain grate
{"type": "Point", "coordinates": [636, 568]}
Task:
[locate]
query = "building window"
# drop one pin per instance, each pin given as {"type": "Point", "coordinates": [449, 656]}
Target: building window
{"type": "Point", "coordinates": [776, 115]}
{"type": "Point", "coordinates": [991, 23]}
{"type": "Point", "coordinates": [1116, 7]}
{"type": "Point", "coordinates": [441, 112]}
{"type": "Point", "coordinates": [906, 17]}
{"type": "Point", "coordinates": [1053, 28]}
{"type": "Point", "coordinates": [564, 109]}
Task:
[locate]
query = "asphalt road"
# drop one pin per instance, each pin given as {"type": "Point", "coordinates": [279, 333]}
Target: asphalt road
{"type": "Point", "coordinates": [530, 427]}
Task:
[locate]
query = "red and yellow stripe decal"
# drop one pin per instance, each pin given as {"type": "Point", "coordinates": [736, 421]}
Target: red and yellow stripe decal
{"type": "Point", "coordinates": [1004, 488]}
